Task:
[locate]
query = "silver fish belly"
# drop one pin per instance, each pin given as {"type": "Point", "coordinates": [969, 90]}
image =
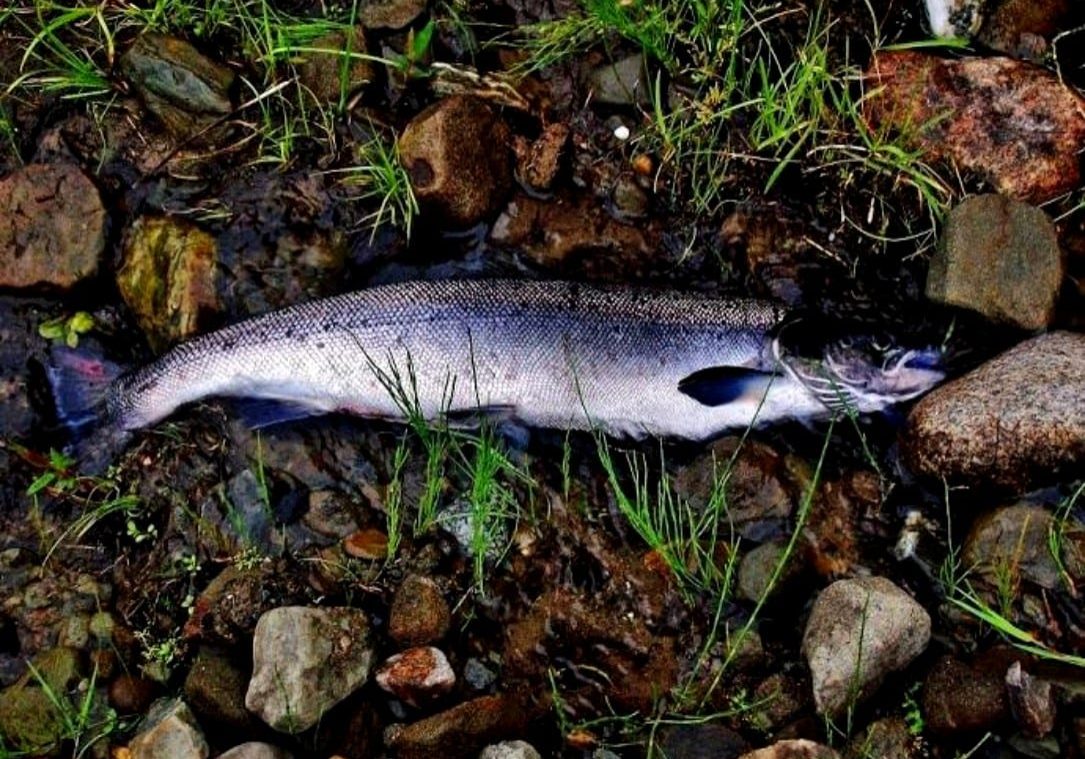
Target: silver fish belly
{"type": "Point", "coordinates": [550, 354]}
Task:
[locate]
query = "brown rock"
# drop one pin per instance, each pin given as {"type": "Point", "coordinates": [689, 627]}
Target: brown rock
{"type": "Point", "coordinates": [52, 226]}
{"type": "Point", "coordinates": [417, 675]}
{"type": "Point", "coordinates": [1031, 701]}
{"type": "Point", "coordinates": [129, 694]}
{"type": "Point", "coordinates": [537, 162]}
{"type": "Point", "coordinates": [1016, 421]}
{"type": "Point", "coordinates": [461, 731]}
{"type": "Point", "coordinates": [370, 544]}
{"type": "Point", "coordinates": [887, 738]}
{"type": "Point", "coordinates": [560, 234]}
{"type": "Point", "coordinates": [458, 158]}
{"type": "Point", "coordinates": [960, 699]}
{"type": "Point", "coordinates": [1012, 122]}
{"type": "Point", "coordinates": [168, 278]}
{"type": "Point", "coordinates": [793, 749]}
{"type": "Point", "coordinates": [215, 689]}
{"type": "Point", "coordinates": [419, 613]}
{"type": "Point", "coordinates": [389, 14]}
{"type": "Point", "coordinates": [330, 76]}
{"type": "Point", "coordinates": [1022, 28]}
{"type": "Point", "coordinates": [1001, 258]}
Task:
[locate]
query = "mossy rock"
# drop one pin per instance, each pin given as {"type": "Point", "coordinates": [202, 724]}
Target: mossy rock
{"type": "Point", "coordinates": [29, 721]}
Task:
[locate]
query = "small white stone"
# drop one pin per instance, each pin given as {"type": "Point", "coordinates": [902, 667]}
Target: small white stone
{"type": "Point", "coordinates": [621, 132]}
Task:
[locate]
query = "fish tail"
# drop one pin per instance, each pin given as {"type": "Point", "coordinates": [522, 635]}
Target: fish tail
{"type": "Point", "coordinates": [82, 383]}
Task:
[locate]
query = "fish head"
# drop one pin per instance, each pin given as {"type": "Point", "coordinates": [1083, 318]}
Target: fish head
{"type": "Point", "coordinates": [867, 373]}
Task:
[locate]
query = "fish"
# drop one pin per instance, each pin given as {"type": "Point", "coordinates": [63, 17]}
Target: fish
{"type": "Point", "coordinates": [629, 362]}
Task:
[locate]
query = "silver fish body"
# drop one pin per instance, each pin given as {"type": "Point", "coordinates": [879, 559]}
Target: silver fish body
{"type": "Point", "coordinates": [550, 354]}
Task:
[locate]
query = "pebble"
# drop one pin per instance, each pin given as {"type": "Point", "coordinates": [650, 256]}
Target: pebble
{"type": "Point", "coordinates": [256, 750]}
{"type": "Point", "coordinates": [621, 82]}
{"type": "Point", "coordinates": [419, 613]}
{"type": "Point", "coordinates": [701, 742]}
{"type": "Point", "coordinates": [52, 227]}
{"type": "Point", "coordinates": [129, 694]}
{"type": "Point", "coordinates": [461, 731]}
{"type": "Point", "coordinates": [886, 738]}
{"type": "Point", "coordinates": [955, 18]}
{"type": "Point", "coordinates": [322, 73]}
{"type": "Point", "coordinates": [1012, 122]}
{"type": "Point", "coordinates": [859, 631]}
{"type": "Point", "coordinates": [305, 661]}
{"type": "Point", "coordinates": [169, 731]}
{"type": "Point", "coordinates": [960, 699]}
{"type": "Point", "coordinates": [793, 749]}
{"type": "Point", "coordinates": [417, 675]}
{"type": "Point", "coordinates": [369, 544]}
{"type": "Point", "coordinates": [215, 689]}
{"type": "Point", "coordinates": [510, 750]}
{"type": "Point", "coordinates": [1031, 702]}
{"type": "Point", "coordinates": [1014, 423]}
{"type": "Point", "coordinates": [1001, 258]}
{"type": "Point", "coordinates": [389, 14]}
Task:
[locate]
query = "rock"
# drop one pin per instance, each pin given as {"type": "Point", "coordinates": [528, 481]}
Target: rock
{"type": "Point", "coordinates": [859, 631]}
{"type": "Point", "coordinates": [1014, 123]}
{"type": "Point", "coordinates": [215, 689]}
{"type": "Point", "coordinates": [169, 731]}
{"type": "Point", "coordinates": [999, 257]}
{"type": "Point", "coordinates": [757, 566]}
{"type": "Point", "coordinates": [955, 18]}
{"type": "Point", "coordinates": [419, 613]}
{"type": "Point", "coordinates": [959, 699]}
{"type": "Point", "coordinates": [331, 514]}
{"type": "Point", "coordinates": [887, 738]}
{"type": "Point", "coordinates": [256, 750]}
{"type": "Point", "coordinates": [759, 487]}
{"type": "Point", "coordinates": [566, 235]}
{"type": "Point", "coordinates": [701, 742]}
{"type": "Point", "coordinates": [780, 699]}
{"type": "Point", "coordinates": [629, 199]}
{"type": "Point", "coordinates": [167, 277]}
{"type": "Point", "coordinates": [226, 612]}
{"type": "Point", "coordinates": [793, 749]}
{"type": "Point", "coordinates": [129, 694]}
{"type": "Point", "coordinates": [29, 721]}
{"type": "Point", "coordinates": [621, 82]}
{"type": "Point", "coordinates": [417, 675]}
{"type": "Point", "coordinates": [538, 162]}
{"type": "Point", "coordinates": [331, 76]}
{"type": "Point", "coordinates": [478, 675]}
{"type": "Point", "coordinates": [510, 750]}
{"type": "Point", "coordinates": [460, 731]}
{"type": "Point", "coordinates": [1014, 422]}
{"type": "Point", "coordinates": [52, 227]}
{"type": "Point", "coordinates": [1015, 540]}
{"type": "Point", "coordinates": [305, 661]}
{"type": "Point", "coordinates": [389, 14]}
{"type": "Point", "coordinates": [186, 90]}
{"type": "Point", "coordinates": [1031, 702]}
{"type": "Point", "coordinates": [1023, 28]}
{"type": "Point", "coordinates": [370, 544]}
{"type": "Point", "coordinates": [457, 155]}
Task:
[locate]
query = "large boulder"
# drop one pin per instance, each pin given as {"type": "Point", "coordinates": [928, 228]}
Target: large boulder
{"type": "Point", "coordinates": [1014, 422]}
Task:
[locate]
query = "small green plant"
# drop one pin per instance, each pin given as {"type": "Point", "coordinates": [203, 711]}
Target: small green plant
{"type": "Point", "coordinates": [393, 502]}
{"type": "Point", "coordinates": [1056, 534]}
{"type": "Point", "coordinates": [378, 176]}
{"type": "Point", "coordinates": [913, 711]}
{"type": "Point", "coordinates": [67, 329]}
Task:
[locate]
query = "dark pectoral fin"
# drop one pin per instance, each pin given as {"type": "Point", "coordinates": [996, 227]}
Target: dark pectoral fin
{"type": "Point", "coordinates": [263, 412]}
{"type": "Point", "coordinates": [718, 385]}
{"type": "Point", "coordinates": [476, 417]}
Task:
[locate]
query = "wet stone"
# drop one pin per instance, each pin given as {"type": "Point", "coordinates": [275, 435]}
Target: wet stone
{"type": "Point", "coordinates": [169, 731]}
{"type": "Point", "coordinates": [1014, 123]}
{"type": "Point", "coordinates": [29, 721]}
{"type": "Point", "coordinates": [887, 738]}
{"type": "Point", "coordinates": [961, 699]}
{"type": "Point", "coordinates": [305, 661]}
{"type": "Point", "coordinates": [793, 749]}
{"type": "Point", "coordinates": [417, 675]}
{"type": "Point", "coordinates": [419, 613]}
{"type": "Point", "coordinates": [256, 750]}
{"type": "Point", "coordinates": [1015, 422]}
{"type": "Point", "coordinates": [1024, 28]}
{"type": "Point", "coordinates": [330, 76]}
{"type": "Point", "coordinates": [461, 731]}
{"type": "Point", "coordinates": [215, 689]}
{"type": "Point", "coordinates": [510, 750]}
{"type": "Point", "coordinates": [458, 156]}
{"type": "Point", "coordinates": [369, 544]}
{"type": "Point", "coordinates": [389, 14]}
{"type": "Point", "coordinates": [859, 631]}
{"type": "Point", "coordinates": [701, 742]}
{"type": "Point", "coordinates": [538, 162]}
{"type": "Point", "coordinates": [129, 694]}
{"type": "Point", "coordinates": [52, 227]}
{"type": "Point", "coordinates": [478, 675]}
{"type": "Point", "coordinates": [1031, 702]}
{"type": "Point", "coordinates": [757, 566]}
{"type": "Point", "coordinates": [622, 82]}
{"type": "Point", "coordinates": [168, 279]}
{"type": "Point", "coordinates": [187, 91]}
{"type": "Point", "coordinates": [1001, 258]}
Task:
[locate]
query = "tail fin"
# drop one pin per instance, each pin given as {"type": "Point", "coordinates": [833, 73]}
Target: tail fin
{"type": "Point", "coordinates": [81, 381]}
